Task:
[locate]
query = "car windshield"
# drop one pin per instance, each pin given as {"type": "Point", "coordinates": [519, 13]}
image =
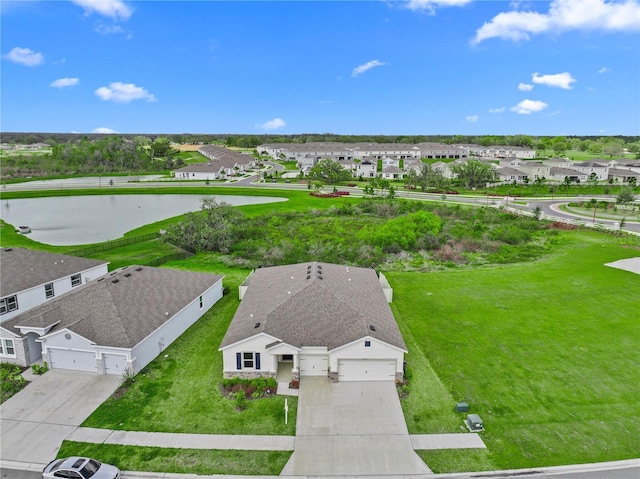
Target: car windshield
{"type": "Point", "coordinates": [90, 468]}
{"type": "Point", "coordinates": [56, 465]}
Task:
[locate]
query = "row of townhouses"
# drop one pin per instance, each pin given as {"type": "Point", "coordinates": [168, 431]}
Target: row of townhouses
{"type": "Point", "coordinates": [512, 164]}
{"type": "Point", "coordinates": [557, 169]}
{"type": "Point", "coordinates": [400, 151]}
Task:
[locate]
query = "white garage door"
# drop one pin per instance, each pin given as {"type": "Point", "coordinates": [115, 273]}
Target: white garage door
{"type": "Point", "coordinates": [77, 360]}
{"type": "Point", "coordinates": [366, 370]}
{"type": "Point", "coordinates": [114, 363]}
{"type": "Point", "coordinates": [312, 365]}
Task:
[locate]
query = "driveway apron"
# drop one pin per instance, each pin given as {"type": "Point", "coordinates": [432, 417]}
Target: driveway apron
{"type": "Point", "coordinates": [351, 429]}
{"type": "Point", "coordinates": [37, 419]}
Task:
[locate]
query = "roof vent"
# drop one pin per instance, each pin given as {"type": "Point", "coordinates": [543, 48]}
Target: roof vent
{"type": "Point", "coordinates": [319, 276]}
{"type": "Point", "coordinates": [11, 249]}
{"type": "Point", "coordinates": [308, 276]}
{"type": "Point", "coordinates": [257, 325]}
{"type": "Point", "coordinates": [115, 280]}
{"type": "Point", "coordinates": [372, 327]}
{"type": "Point", "coordinates": [138, 269]}
{"type": "Point", "coordinates": [101, 279]}
{"type": "Point", "coordinates": [319, 266]}
{"type": "Point", "coordinates": [126, 275]}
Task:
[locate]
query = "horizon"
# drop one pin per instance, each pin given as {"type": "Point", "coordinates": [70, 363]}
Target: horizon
{"type": "Point", "coordinates": [365, 68]}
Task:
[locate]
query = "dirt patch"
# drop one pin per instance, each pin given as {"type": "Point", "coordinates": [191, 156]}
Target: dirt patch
{"type": "Point", "coordinates": [630, 264]}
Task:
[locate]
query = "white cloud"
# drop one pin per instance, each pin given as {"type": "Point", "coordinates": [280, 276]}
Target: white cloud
{"type": "Point", "coordinates": [103, 29]}
{"type": "Point", "coordinates": [325, 102]}
{"type": "Point", "coordinates": [472, 118]}
{"type": "Point", "coordinates": [559, 80]}
{"type": "Point", "coordinates": [525, 87]}
{"type": "Point", "coordinates": [64, 82]}
{"type": "Point", "coordinates": [430, 6]}
{"type": "Point", "coordinates": [104, 130]}
{"type": "Point", "coordinates": [119, 92]}
{"type": "Point", "coordinates": [115, 9]}
{"type": "Point", "coordinates": [563, 15]}
{"type": "Point", "coordinates": [526, 107]}
{"type": "Point", "coordinates": [496, 110]}
{"type": "Point", "coordinates": [604, 70]}
{"type": "Point", "coordinates": [367, 66]}
{"type": "Point", "coordinates": [24, 56]}
{"type": "Point", "coordinates": [274, 124]}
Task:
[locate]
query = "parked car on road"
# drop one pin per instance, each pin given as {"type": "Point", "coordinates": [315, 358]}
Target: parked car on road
{"type": "Point", "coordinates": [80, 468]}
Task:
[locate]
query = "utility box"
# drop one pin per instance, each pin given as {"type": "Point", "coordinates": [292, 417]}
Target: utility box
{"type": "Point", "coordinates": [462, 407]}
{"type": "Point", "coordinates": [474, 423]}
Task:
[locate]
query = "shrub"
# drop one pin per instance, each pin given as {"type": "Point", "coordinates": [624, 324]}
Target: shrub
{"type": "Point", "coordinates": [11, 380]}
{"type": "Point", "coordinates": [240, 400]}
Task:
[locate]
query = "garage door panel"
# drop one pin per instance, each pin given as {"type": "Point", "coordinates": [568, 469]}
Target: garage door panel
{"type": "Point", "coordinates": [69, 359]}
{"type": "Point", "coordinates": [367, 370]}
{"type": "Point", "coordinates": [312, 365]}
{"type": "Point", "coordinates": [114, 363]}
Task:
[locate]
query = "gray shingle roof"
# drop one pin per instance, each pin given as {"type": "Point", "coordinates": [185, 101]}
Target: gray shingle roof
{"type": "Point", "coordinates": [119, 313]}
{"type": "Point", "coordinates": [294, 305]}
{"type": "Point", "coordinates": [22, 268]}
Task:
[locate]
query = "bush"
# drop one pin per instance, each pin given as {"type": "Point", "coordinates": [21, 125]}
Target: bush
{"type": "Point", "coordinates": [11, 380]}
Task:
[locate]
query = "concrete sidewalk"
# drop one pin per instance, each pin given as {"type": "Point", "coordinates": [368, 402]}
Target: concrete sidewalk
{"type": "Point", "coordinates": [183, 441]}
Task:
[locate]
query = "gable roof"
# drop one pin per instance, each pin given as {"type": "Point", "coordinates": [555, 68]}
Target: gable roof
{"type": "Point", "coordinates": [314, 304]}
{"type": "Point", "coordinates": [25, 268]}
{"type": "Point", "coordinates": [121, 308]}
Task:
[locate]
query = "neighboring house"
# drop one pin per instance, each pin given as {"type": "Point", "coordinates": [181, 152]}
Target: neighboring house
{"type": "Point", "coordinates": [600, 168]}
{"type": "Point", "coordinates": [120, 321]}
{"type": "Point", "coordinates": [222, 164]}
{"type": "Point", "coordinates": [392, 173]}
{"type": "Point", "coordinates": [510, 175]}
{"type": "Point", "coordinates": [366, 168]}
{"type": "Point", "coordinates": [623, 176]}
{"type": "Point", "coordinates": [559, 174]}
{"type": "Point", "coordinates": [29, 278]}
{"type": "Point", "coordinates": [201, 171]}
{"type": "Point", "coordinates": [314, 319]}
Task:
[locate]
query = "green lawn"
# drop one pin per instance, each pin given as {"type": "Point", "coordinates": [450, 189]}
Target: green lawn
{"type": "Point", "coordinates": [181, 461]}
{"type": "Point", "coordinates": [179, 391]}
{"type": "Point", "coordinates": [546, 353]}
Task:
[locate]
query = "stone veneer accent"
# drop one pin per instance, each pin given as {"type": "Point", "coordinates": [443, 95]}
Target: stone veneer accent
{"type": "Point", "coordinates": [248, 374]}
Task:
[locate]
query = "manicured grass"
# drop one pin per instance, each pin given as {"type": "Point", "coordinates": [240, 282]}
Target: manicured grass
{"type": "Point", "coordinates": [179, 391]}
{"type": "Point", "coordinates": [181, 461]}
{"type": "Point", "coordinates": [546, 353]}
{"type": "Point", "coordinates": [447, 460]}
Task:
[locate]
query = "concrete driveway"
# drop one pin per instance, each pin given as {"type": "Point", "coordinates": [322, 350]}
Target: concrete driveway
{"type": "Point", "coordinates": [352, 429]}
{"type": "Point", "coordinates": [35, 421]}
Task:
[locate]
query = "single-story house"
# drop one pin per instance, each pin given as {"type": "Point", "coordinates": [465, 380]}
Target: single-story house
{"type": "Point", "coordinates": [559, 174]}
{"type": "Point", "coordinates": [511, 174]}
{"type": "Point", "coordinates": [120, 321]}
{"type": "Point", "coordinates": [392, 173]}
{"type": "Point", "coordinates": [29, 278]}
{"type": "Point", "coordinates": [314, 319]}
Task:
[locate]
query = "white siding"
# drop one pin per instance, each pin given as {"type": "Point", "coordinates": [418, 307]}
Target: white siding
{"type": "Point", "coordinates": [254, 344]}
{"type": "Point", "coordinates": [376, 350]}
{"type": "Point", "coordinates": [32, 297]}
{"type": "Point", "coordinates": [150, 347]}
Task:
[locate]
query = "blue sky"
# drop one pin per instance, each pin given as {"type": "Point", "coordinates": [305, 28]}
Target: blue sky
{"type": "Point", "coordinates": [561, 67]}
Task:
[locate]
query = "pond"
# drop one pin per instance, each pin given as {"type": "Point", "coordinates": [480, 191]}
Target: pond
{"type": "Point", "coordinates": [75, 220]}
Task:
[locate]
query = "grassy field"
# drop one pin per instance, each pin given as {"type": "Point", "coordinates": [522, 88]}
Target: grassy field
{"type": "Point", "coordinates": [546, 353]}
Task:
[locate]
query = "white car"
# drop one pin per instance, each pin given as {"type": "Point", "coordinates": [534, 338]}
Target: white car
{"type": "Point", "coordinates": [80, 468]}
